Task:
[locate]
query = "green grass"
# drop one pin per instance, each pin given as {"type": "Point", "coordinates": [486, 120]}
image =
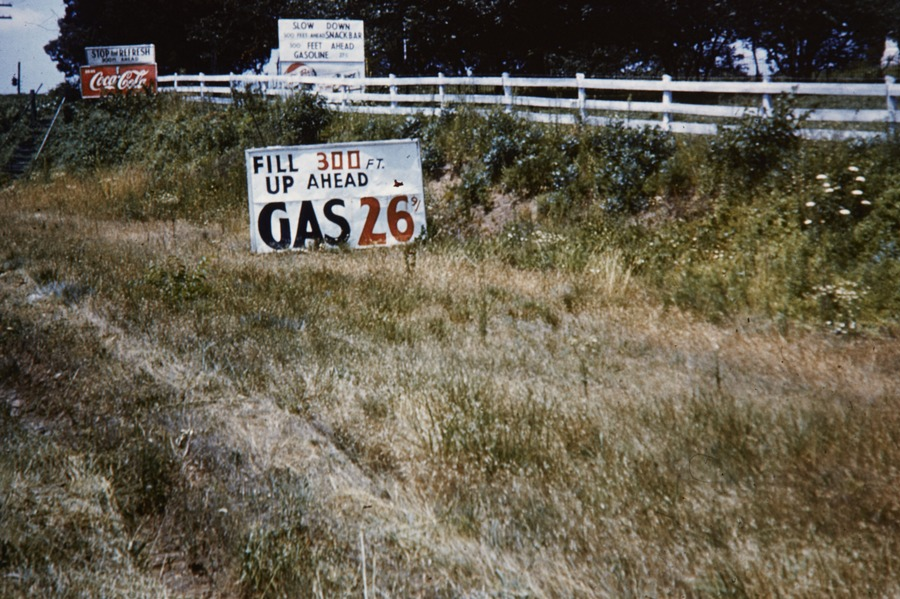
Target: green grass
{"type": "Point", "coordinates": [597, 399]}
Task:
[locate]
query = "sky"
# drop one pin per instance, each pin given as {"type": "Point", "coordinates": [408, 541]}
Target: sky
{"type": "Point", "coordinates": [22, 39]}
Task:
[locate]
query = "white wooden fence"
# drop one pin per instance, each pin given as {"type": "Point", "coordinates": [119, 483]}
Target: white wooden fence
{"type": "Point", "coordinates": [824, 106]}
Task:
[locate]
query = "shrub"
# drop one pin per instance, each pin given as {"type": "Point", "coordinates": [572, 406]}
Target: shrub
{"type": "Point", "coordinates": [473, 187]}
{"type": "Point", "coordinates": [353, 127]}
{"type": "Point", "coordinates": [175, 282]}
{"type": "Point", "coordinates": [759, 145]}
{"type": "Point", "coordinates": [300, 119]}
{"type": "Point", "coordinates": [102, 132]}
{"type": "Point", "coordinates": [627, 158]}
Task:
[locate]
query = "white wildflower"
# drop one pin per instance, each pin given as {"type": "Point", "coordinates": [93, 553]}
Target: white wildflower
{"type": "Point", "coordinates": [861, 179]}
{"type": "Point", "coordinates": [853, 169]}
{"type": "Point", "coordinates": [821, 177]}
{"type": "Point", "coordinates": [810, 204]}
{"type": "Point", "coordinates": [829, 190]}
{"type": "Point", "coordinates": [807, 222]}
{"type": "Point", "coordinates": [844, 211]}
{"type": "Point", "coordinates": [866, 203]}
{"type": "Point", "coordinates": [857, 192]}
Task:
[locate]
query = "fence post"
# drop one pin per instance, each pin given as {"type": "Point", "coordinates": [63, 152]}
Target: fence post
{"type": "Point", "coordinates": [441, 90]}
{"type": "Point", "coordinates": [766, 98]}
{"type": "Point", "coordinates": [202, 86]}
{"type": "Point", "coordinates": [175, 82]}
{"type": "Point", "coordinates": [666, 100]}
{"type": "Point", "coordinates": [582, 95]}
{"type": "Point", "coordinates": [889, 83]}
{"type": "Point", "coordinates": [393, 89]}
{"type": "Point", "coordinates": [507, 93]}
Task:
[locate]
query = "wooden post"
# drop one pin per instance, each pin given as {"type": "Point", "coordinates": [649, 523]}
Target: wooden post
{"type": "Point", "coordinates": [889, 83]}
{"type": "Point", "coordinates": [766, 98]}
{"type": "Point", "coordinates": [441, 90]}
{"type": "Point", "coordinates": [393, 89]}
{"type": "Point", "coordinates": [33, 107]}
{"type": "Point", "coordinates": [582, 95]}
{"type": "Point", "coordinates": [507, 93]}
{"type": "Point", "coordinates": [202, 86]}
{"type": "Point", "coordinates": [666, 100]}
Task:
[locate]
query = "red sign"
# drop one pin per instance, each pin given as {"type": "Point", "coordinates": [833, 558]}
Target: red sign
{"type": "Point", "coordinates": [124, 79]}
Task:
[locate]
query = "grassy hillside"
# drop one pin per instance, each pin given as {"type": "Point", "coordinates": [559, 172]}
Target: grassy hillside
{"type": "Point", "coordinates": [622, 365]}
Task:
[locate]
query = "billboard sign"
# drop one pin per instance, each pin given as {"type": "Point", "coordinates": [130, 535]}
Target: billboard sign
{"type": "Point", "coordinates": [320, 40]}
{"type": "Point", "coordinates": [322, 48]}
{"type": "Point", "coordinates": [107, 80]}
{"type": "Point", "coordinates": [357, 194]}
{"type": "Point", "coordinates": [116, 55]}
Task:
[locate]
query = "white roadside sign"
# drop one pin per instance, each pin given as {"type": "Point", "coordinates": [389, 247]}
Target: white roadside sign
{"type": "Point", "coordinates": [358, 194]}
{"type": "Point", "coordinates": [121, 55]}
{"type": "Point", "coordinates": [320, 40]}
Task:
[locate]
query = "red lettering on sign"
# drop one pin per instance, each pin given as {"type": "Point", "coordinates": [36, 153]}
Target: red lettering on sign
{"type": "Point", "coordinates": [338, 159]}
{"type": "Point", "coordinates": [395, 215]}
{"type": "Point", "coordinates": [368, 235]}
{"type": "Point", "coordinates": [106, 80]}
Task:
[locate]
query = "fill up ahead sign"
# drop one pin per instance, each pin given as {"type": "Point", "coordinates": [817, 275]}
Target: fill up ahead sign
{"type": "Point", "coordinates": [357, 194]}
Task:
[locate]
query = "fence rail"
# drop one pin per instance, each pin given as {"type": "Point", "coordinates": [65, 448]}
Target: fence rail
{"type": "Point", "coordinates": [829, 110]}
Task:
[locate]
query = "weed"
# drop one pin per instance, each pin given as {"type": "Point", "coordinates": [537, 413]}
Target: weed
{"type": "Point", "coordinates": [628, 158]}
{"type": "Point", "coordinates": [176, 282]}
{"type": "Point", "coordinates": [760, 145]}
{"type": "Point", "coordinates": [278, 558]}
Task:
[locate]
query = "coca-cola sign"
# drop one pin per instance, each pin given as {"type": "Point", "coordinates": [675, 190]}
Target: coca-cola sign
{"type": "Point", "coordinates": [102, 81]}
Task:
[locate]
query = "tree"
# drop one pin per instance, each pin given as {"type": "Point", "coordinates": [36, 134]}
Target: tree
{"type": "Point", "coordinates": [190, 35]}
{"type": "Point", "coordinates": [682, 38]}
{"type": "Point", "coordinates": [808, 37]}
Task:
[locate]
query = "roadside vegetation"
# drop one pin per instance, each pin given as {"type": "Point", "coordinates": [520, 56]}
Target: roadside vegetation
{"type": "Point", "coordinates": [623, 364]}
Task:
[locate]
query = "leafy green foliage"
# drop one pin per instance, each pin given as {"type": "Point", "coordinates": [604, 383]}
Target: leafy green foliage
{"type": "Point", "coordinates": [760, 145]}
{"type": "Point", "coordinates": [628, 160]}
{"type": "Point", "coordinates": [175, 282]}
{"type": "Point", "coordinates": [753, 220]}
{"type": "Point", "coordinates": [690, 39]}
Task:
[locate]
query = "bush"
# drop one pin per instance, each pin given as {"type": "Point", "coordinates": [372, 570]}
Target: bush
{"type": "Point", "coordinates": [761, 144]}
{"type": "Point", "coordinates": [300, 119]}
{"type": "Point", "coordinates": [103, 132]}
{"type": "Point", "coordinates": [769, 223]}
{"type": "Point", "coordinates": [627, 159]}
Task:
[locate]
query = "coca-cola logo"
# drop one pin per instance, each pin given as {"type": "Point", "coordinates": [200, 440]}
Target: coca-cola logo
{"type": "Point", "coordinates": [124, 81]}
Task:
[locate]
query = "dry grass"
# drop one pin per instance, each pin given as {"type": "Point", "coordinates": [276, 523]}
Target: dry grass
{"type": "Point", "coordinates": [491, 431]}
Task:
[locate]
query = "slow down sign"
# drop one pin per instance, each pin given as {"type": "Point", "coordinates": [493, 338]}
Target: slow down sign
{"type": "Point", "coordinates": [359, 194]}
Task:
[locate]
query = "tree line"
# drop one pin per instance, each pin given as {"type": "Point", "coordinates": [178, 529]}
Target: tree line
{"type": "Point", "coordinates": [688, 39]}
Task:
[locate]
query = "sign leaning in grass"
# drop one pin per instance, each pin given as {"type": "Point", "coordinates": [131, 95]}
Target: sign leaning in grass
{"type": "Point", "coordinates": [359, 194]}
